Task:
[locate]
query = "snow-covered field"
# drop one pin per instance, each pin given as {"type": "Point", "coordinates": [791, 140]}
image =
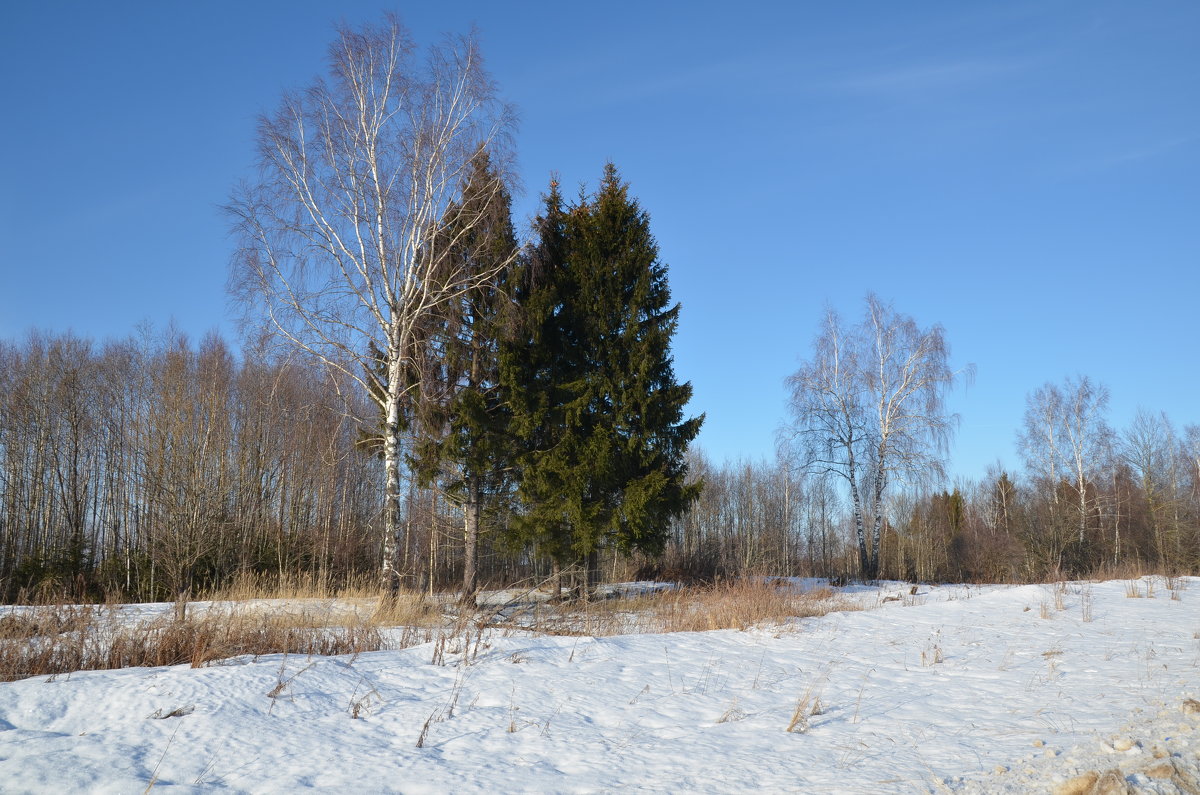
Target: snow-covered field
{"type": "Point", "coordinates": [975, 689]}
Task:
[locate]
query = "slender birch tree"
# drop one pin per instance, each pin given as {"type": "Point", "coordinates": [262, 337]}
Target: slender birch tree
{"type": "Point", "coordinates": [1065, 439]}
{"type": "Point", "coordinates": [1088, 440]}
{"type": "Point", "coordinates": [870, 407]}
{"type": "Point", "coordinates": [344, 237]}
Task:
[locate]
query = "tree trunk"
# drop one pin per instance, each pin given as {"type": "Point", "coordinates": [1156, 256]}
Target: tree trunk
{"type": "Point", "coordinates": [1083, 511]}
{"type": "Point", "coordinates": [390, 581]}
{"type": "Point", "coordinates": [556, 576]}
{"type": "Point", "coordinates": [470, 541]}
{"type": "Point", "coordinates": [591, 575]}
{"type": "Point", "coordinates": [877, 511]}
{"type": "Point", "coordinates": [864, 557]}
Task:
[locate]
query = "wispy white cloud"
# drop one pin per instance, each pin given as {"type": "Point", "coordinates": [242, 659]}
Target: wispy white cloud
{"type": "Point", "coordinates": [1146, 152]}
{"type": "Point", "coordinates": [915, 80]}
{"type": "Point", "coordinates": [1099, 162]}
{"type": "Point", "coordinates": [742, 73]}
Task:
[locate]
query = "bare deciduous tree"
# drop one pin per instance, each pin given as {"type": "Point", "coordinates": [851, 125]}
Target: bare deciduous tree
{"type": "Point", "coordinates": [1151, 448]}
{"type": "Point", "coordinates": [1191, 457]}
{"type": "Point", "coordinates": [870, 406]}
{"type": "Point", "coordinates": [343, 234]}
{"type": "Point", "coordinates": [1065, 436]}
{"type": "Point", "coordinates": [1088, 439]}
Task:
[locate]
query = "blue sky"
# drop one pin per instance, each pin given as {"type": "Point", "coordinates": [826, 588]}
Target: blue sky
{"type": "Point", "coordinates": [1025, 173]}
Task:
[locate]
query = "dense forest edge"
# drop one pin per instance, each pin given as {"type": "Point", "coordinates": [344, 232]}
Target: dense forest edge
{"type": "Point", "coordinates": [137, 469]}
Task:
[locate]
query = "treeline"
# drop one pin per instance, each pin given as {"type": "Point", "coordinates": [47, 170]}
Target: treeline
{"type": "Point", "coordinates": [1138, 510]}
{"type": "Point", "coordinates": [152, 467]}
{"type": "Point", "coordinates": [148, 466]}
{"type": "Point", "coordinates": [142, 467]}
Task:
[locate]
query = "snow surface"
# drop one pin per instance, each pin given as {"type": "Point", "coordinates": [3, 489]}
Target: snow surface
{"type": "Point", "coordinates": [972, 689]}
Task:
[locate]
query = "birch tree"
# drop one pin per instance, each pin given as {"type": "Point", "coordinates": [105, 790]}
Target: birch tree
{"type": "Point", "coordinates": [1088, 440]}
{"type": "Point", "coordinates": [343, 234]}
{"type": "Point", "coordinates": [1064, 438]}
{"type": "Point", "coordinates": [870, 407]}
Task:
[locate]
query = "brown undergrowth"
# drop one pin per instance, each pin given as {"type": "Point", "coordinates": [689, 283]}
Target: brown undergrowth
{"type": "Point", "coordinates": [739, 604]}
{"type": "Point", "coordinates": [49, 640]}
{"type": "Point", "coordinates": [249, 586]}
{"type": "Point", "coordinates": [103, 641]}
{"type": "Point", "coordinates": [59, 639]}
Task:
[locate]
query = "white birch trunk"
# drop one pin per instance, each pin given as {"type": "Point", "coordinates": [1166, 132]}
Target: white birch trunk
{"type": "Point", "coordinates": [391, 495]}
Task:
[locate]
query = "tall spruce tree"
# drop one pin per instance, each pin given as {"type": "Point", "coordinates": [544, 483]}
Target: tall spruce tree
{"type": "Point", "coordinates": [534, 368]}
{"type": "Point", "coordinates": [591, 383]}
{"type": "Point", "coordinates": [461, 442]}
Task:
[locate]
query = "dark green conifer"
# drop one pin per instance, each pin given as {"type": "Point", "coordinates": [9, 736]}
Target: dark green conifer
{"type": "Point", "coordinates": [462, 444]}
{"type": "Point", "coordinates": [533, 368]}
{"type": "Point", "coordinates": [594, 394]}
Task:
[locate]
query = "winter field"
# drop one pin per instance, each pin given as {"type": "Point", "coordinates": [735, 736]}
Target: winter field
{"type": "Point", "coordinates": [1077, 687]}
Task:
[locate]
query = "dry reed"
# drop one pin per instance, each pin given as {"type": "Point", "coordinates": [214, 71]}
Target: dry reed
{"type": "Point", "coordinates": [299, 617]}
{"type": "Point", "coordinates": [739, 604]}
{"type": "Point", "coordinates": [53, 640]}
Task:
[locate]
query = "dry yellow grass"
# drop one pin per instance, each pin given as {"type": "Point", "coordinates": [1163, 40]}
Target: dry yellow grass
{"type": "Point", "coordinates": [51, 640]}
{"type": "Point", "coordinates": [740, 604]}
{"type": "Point", "coordinates": [249, 586]}
{"type": "Point", "coordinates": [298, 618]}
